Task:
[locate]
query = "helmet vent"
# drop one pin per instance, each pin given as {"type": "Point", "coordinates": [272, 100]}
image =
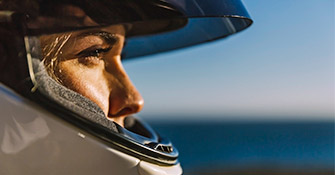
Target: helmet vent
{"type": "Point", "coordinates": [166, 149]}
{"type": "Point", "coordinates": [161, 147]}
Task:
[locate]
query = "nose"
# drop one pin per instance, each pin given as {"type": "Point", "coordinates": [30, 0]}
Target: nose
{"type": "Point", "coordinates": [124, 98]}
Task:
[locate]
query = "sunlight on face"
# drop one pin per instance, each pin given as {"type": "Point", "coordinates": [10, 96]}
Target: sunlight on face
{"type": "Point", "coordinates": [89, 63]}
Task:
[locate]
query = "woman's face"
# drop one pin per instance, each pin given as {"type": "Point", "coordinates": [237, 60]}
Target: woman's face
{"type": "Point", "coordinates": [89, 63]}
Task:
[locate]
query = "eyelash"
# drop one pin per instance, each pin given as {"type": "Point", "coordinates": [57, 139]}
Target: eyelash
{"type": "Point", "coordinates": [93, 52]}
{"type": "Point", "coordinates": [91, 55]}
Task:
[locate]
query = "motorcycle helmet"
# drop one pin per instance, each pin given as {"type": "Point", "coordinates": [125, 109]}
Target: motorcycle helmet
{"type": "Point", "coordinates": [34, 33]}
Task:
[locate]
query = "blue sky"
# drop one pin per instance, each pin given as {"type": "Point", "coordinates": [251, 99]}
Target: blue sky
{"type": "Point", "coordinates": [282, 67]}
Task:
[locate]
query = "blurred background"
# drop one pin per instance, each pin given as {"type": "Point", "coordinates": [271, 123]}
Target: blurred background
{"type": "Point", "coordinates": [260, 101]}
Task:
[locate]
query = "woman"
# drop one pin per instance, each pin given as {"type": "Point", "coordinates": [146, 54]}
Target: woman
{"type": "Point", "coordinates": [89, 62]}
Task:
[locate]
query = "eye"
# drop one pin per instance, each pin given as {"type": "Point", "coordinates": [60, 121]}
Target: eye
{"type": "Point", "coordinates": [93, 52]}
{"type": "Point", "coordinates": [92, 55]}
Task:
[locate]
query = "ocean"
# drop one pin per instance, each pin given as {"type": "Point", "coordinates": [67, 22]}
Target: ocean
{"type": "Point", "coordinates": [221, 147]}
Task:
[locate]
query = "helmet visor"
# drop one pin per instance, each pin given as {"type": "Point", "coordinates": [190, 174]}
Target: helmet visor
{"type": "Point", "coordinates": [152, 26]}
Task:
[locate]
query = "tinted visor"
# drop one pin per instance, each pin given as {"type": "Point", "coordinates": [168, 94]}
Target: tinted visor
{"type": "Point", "coordinates": [206, 21]}
{"type": "Point", "coordinates": [153, 26]}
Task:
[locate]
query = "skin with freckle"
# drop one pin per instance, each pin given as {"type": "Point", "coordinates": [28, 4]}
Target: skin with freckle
{"type": "Point", "coordinates": [89, 63]}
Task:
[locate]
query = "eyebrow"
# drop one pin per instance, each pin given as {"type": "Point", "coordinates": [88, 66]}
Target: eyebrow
{"type": "Point", "coordinates": [109, 38]}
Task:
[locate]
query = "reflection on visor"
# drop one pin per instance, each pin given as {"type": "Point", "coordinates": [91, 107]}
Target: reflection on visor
{"type": "Point", "coordinates": [79, 76]}
{"type": "Point", "coordinates": [196, 31]}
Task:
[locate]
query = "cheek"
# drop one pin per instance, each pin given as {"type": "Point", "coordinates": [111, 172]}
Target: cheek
{"type": "Point", "coordinates": [89, 82]}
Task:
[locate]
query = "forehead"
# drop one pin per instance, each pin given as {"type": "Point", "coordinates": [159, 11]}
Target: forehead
{"type": "Point", "coordinates": [93, 34]}
{"type": "Point", "coordinates": [108, 35]}
{"type": "Point", "coordinates": [118, 30]}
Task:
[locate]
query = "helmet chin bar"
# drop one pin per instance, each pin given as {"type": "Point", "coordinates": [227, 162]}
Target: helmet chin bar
{"type": "Point", "coordinates": [132, 141]}
{"type": "Point", "coordinates": [136, 139]}
{"type": "Point", "coordinates": [143, 133]}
